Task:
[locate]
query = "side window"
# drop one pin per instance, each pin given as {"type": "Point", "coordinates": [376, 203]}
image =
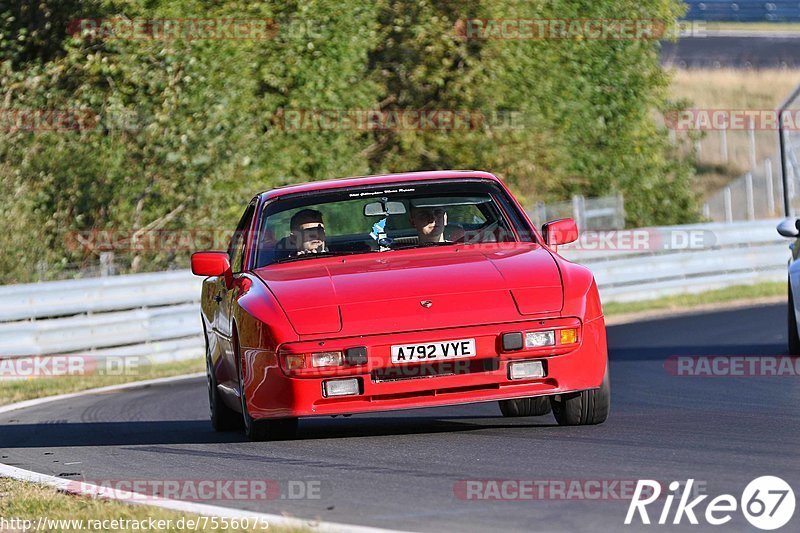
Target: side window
{"type": "Point", "coordinates": [236, 247]}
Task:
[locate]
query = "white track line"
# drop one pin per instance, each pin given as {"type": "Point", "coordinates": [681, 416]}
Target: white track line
{"type": "Point", "coordinates": [99, 390]}
{"type": "Point", "coordinates": [88, 489]}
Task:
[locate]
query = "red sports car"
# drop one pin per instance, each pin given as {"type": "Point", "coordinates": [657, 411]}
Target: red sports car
{"type": "Point", "coordinates": [393, 292]}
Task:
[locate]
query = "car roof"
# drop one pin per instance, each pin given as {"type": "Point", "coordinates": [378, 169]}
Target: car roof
{"type": "Point", "coordinates": [375, 180]}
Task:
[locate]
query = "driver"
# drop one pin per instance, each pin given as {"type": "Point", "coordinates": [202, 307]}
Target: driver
{"type": "Point", "coordinates": [429, 223]}
{"type": "Point", "coordinates": [308, 232]}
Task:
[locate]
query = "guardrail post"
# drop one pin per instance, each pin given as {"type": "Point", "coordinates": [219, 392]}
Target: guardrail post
{"type": "Point", "coordinates": [789, 191]}
{"type": "Point", "coordinates": [706, 211]}
{"type": "Point", "coordinates": [579, 211]}
{"type": "Point", "coordinates": [723, 144]}
{"type": "Point", "coordinates": [619, 217]}
{"type": "Point", "coordinates": [748, 189]}
{"type": "Point", "coordinates": [751, 132]}
{"type": "Point", "coordinates": [541, 212]}
{"type": "Point", "coordinates": [107, 266]}
{"type": "Point", "coordinates": [41, 270]}
{"type": "Point", "coordinates": [769, 187]}
{"type": "Point", "coordinates": [728, 204]}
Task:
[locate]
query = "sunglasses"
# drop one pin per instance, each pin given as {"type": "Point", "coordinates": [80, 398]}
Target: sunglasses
{"type": "Point", "coordinates": [313, 231]}
{"type": "Point", "coordinates": [428, 214]}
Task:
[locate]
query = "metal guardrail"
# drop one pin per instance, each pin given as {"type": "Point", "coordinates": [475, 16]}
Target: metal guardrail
{"type": "Point", "coordinates": [157, 315]}
{"type": "Point", "coordinates": [97, 295]}
{"type": "Point", "coordinates": [741, 253]}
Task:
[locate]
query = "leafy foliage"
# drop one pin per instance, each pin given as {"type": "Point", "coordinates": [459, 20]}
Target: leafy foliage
{"type": "Point", "coordinates": [181, 133]}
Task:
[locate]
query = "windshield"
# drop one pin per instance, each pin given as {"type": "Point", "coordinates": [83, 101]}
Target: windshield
{"type": "Point", "coordinates": [382, 219]}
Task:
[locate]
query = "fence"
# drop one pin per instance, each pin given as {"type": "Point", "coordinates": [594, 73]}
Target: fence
{"type": "Point", "coordinates": [603, 213]}
{"type": "Point", "coordinates": [157, 315]}
{"type": "Point", "coordinates": [154, 315]}
{"type": "Point", "coordinates": [754, 195]}
{"type": "Point", "coordinates": [790, 150]}
{"type": "Point", "coordinates": [739, 253]}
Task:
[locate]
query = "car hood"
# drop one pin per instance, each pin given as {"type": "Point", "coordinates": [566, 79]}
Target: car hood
{"type": "Point", "coordinates": [407, 290]}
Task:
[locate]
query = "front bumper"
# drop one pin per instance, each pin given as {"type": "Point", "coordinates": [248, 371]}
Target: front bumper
{"type": "Point", "coordinates": [271, 393]}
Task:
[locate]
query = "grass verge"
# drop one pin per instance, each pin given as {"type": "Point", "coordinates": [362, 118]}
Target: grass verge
{"type": "Point", "coordinates": [688, 301]}
{"type": "Point", "coordinates": [764, 26]}
{"type": "Point", "coordinates": [27, 389]}
{"type": "Point", "coordinates": [29, 501]}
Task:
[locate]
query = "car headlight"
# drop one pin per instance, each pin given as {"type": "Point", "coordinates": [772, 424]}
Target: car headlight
{"type": "Point", "coordinates": [320, 359]}
{"type": "Point", "coordinates": [535, 339]}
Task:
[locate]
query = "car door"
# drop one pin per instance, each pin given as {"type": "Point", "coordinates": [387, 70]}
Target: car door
{"type": "Point", "coordinates": [226, 294]}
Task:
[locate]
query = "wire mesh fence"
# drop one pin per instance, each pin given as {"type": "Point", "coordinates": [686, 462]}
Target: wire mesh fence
{"type": "Point", "coordinates": [754, 195]}
{"type": "Point", "coordinates": [790, 135]}
{"type": "Point", "coordinates": [601, 213]}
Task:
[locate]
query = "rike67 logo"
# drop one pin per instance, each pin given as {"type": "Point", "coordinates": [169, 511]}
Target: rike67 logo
{"type": "Point", "coordinates": [767, 503]}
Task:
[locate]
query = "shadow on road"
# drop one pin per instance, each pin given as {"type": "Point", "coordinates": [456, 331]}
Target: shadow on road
{"type": "Point", "coordinates": [61, 434]}
{"type": "Point", "coordinates": [661, 353]}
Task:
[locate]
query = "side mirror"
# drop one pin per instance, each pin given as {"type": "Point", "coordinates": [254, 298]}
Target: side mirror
{"type": "Point", "coordinates": [210, 263]}
{"type": "Point", "coordinates": [563, 231]}
{"type": "Point", "coordinates": [788, 227]}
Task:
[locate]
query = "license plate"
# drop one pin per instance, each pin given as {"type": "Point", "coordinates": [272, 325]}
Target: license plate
{"type": "Point", "coordinates": [433, 351]}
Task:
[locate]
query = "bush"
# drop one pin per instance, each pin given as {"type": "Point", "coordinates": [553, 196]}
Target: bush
{"type": "Point", "coordinates": [183, 132]}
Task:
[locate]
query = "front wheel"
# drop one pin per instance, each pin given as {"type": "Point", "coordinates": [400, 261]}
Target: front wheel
{"type": "Point", "coordinates": [535, 406]}
{"type": "Point", "coordinates": [583, 408]}
{"type": "Point", "coordinates": [261, 430]}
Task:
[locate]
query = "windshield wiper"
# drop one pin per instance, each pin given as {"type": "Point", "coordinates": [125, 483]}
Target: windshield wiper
{"type": "Point", "coordinates": [441, 243]}
{"type": "Point", "coordinates": [424, 244]}
{"type": "Point", "coordinates": [293, 258]}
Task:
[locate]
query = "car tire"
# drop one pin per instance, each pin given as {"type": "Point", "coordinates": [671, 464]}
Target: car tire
{"type": "Point", "coordinates": [586, 407]}
{"type": "Point", "coordinates": [262, 430]}
{"type": "Point", "coordinates": [794, 338]}
{"type": "Point", "coordinates": [534, 406]}
{"type": "Point", "coordinates": [223, 418]}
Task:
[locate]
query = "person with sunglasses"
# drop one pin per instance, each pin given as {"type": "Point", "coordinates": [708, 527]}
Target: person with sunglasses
{"type": "Point", "coordinates": [431, 225]}
{"type": "Point", "coordinates": [429, 222]}
{"type": "Point", "coordinates": [308, 232]}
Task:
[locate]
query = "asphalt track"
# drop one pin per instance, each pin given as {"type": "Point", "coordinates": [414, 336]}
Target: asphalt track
{"type": "Point", "coordinates": [399, 470]}
{"type": "Point", "coordinates": [733, 51]}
